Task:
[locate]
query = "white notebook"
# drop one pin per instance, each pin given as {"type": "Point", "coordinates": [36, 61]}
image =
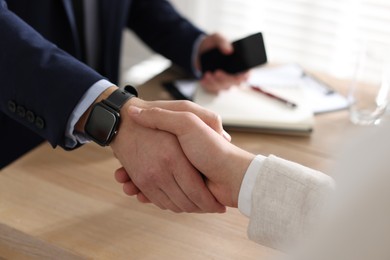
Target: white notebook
{"type": "Point", "coordinates": [242, 108]}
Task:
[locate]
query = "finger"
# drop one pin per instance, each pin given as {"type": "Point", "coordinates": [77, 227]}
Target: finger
{"type": "Point", "coordinates": [224, 80]}
{"type": "Point", "coordinates": [130, 189]}
{"type": "Point", "coordinates": [228, 80]}
{"type": "Point", "coordinates": [194, 187]}
{"type": "Point", "coordinates": [161, 190]}
{"type": "Point", "coordinates": [223, 44]}
{"type": "Point", "coordinates": [244, 76]}
{"type": "Point", "coordinates": [209, 83]}
{"type": "Point", "coordinates": [152, 195]}
{"type": "Point", "coordinates": [220, 80]}
{"type": "Point", "coordinates": [159, 198]}
{"type": "Point", "coordinates": [241, 77]}
{"type": "Point", "coordinates": [142, 198]}
{"type": "Point", "coordinates": [164, 187]}
{"type": "Point", "coordinates": [175, 193]}
{"type": "Point", "coordinates": [210, 118]}
{"type": "Point", "coordinates": [166, 120]}
{"type": "Point", "coordinates": [121, 175]}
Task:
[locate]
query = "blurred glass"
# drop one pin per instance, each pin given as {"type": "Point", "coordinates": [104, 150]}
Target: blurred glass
{"type": "Point", "coordinates": [370, 85]}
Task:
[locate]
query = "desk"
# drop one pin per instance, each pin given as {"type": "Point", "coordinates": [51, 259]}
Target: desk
{"type": "Point", "coordinates": [67, 205]}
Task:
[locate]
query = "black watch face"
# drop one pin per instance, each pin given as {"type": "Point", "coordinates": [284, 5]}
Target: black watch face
{"type": "Point", "coordinates": [101, 124]}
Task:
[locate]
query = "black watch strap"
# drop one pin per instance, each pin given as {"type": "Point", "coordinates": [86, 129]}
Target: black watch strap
{"type": "Point", "coordinates": [119, 97]}
{"type": "Point", "coordinates": [131, 90]}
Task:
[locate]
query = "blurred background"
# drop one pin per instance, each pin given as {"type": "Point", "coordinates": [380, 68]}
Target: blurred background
{"type": "Point", "coordinates": [319, 35]}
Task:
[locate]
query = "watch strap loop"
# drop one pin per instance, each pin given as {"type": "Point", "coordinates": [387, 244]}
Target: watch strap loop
{"type": "Point", "coordinates": [131, 90]}
{"type": "Point", "coordinates": [117, 99]}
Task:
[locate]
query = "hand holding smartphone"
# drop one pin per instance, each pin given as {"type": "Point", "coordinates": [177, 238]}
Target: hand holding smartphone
{"type": "Point", "coordinates": [248, 52]}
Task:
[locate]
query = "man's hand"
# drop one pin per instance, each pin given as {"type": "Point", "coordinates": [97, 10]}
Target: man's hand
{"type": "Point", "coordinates": [222, 163]}
{"type": "Point", "coordinates": [218, 80]}
{"type": "Point", "coordinates": [156, 164]}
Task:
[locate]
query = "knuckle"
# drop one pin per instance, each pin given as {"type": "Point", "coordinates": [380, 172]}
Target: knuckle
{"type": "Point", "coordinates": [155, 110]}
{"type": "Point", "coordinates": [186, 104]}
{"type": "Point", "coordinates": [189, 117]}
{"type": "Point", "coordinates": [148, 178]}
{"type": "Point", "coordinates": [167, 159]}
{"type": "Point", "coordinates": [215, 122]}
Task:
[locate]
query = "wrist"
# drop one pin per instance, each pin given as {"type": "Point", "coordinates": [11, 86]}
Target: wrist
{"type": "Point", "coordinates": [238, 163]}
{"type": "Point", "coordinates": [80, 125]}
{"type": "Point", "coordinates": [104, 116]}
{"type": "Point", "coordinates": [243, 163]}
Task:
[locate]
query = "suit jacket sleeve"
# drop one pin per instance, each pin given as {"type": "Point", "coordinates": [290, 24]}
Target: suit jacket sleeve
{"type": "Point", "coordinates": [286, 200]}
{"type": "Point", "coordinates": [158, 24]}
{"type": "Point", "coordinates": [38, 77]}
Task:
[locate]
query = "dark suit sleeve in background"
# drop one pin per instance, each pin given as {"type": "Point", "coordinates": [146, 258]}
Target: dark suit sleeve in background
{"type": "Point", "coordinates": [159, 25]}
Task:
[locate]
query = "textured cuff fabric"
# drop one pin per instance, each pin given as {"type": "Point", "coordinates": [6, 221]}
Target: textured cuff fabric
{"type": "Point", "coordinates": [247, 185]}
{"type": "Point", "coordinates": [285, 202]}
{"type": "Point", "coordinates": [74, 138]}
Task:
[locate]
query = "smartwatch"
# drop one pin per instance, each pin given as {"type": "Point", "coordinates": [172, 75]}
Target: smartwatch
{"type": "Point", "coordinates": [103, 121]}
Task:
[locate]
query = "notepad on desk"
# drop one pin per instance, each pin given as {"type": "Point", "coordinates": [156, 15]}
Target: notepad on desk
{"type": "Point", "coordinates": [245, 109]}
{"type": "Point", "coordinates": [321, 97]}
{"type": "Point", "coordinates": [242, 108]}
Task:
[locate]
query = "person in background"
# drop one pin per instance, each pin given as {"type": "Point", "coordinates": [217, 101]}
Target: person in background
{"type": "Point", "coordinates": [60, 58]}
{"type": "Point", "coordinates": [291, 207]}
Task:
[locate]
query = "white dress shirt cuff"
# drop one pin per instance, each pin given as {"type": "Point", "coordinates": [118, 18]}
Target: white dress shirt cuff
{"type": "Point", "coordinates": [73, 137]}
{"type": "Point", "coordinates": [195, 54]}
{"type": "Point", "coordinates": [247, 185]}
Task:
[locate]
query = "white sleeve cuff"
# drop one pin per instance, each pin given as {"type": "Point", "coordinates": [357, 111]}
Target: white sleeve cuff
{"type": "Point", "coordinates": [195, 53]}
{"type": "Point", "coordinates": [247, 185]}
{"type": "Point", "coordinates": [73, 137]}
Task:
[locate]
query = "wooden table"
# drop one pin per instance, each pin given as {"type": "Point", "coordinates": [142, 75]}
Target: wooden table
{"type": "Point", "coordinates": [67, 205]}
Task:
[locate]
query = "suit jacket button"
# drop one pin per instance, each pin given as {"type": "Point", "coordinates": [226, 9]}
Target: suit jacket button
{"type": "Point", "coordinates": [30, 116]}
{"type": "Point", "coordinates": [39, 122]}
{"type": "Point", "coordinates": [12, 106]}
{"type": "Point", "coordinates": [21, 111]}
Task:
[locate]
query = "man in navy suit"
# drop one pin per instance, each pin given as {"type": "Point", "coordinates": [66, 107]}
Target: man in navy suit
{"type": "Point", "coordinates": [47, 90]}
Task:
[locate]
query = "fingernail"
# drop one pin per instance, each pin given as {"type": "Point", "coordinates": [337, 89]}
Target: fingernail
{"type": "Point", "coordinates": [226, 136]}
{"type": "Point", "coordinates": [134, 110]}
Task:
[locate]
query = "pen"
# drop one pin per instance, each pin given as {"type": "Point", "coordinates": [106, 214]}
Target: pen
{"type": "Point", "coordinates": [284, 101]}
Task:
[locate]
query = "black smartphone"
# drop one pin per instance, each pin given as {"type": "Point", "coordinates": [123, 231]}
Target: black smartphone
{"type": "Point", "coordinates": [248, 53]}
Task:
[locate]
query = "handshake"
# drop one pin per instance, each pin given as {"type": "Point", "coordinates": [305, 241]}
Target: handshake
{"type": "Point", "coordinates": [176, 155]}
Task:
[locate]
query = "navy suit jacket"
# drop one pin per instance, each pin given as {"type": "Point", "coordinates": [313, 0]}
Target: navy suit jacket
{"type": "Point", "coordinates": [41, 78]}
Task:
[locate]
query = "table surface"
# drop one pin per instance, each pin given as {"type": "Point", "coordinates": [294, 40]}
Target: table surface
{"type": "Point", "coordinates": [58, 204]}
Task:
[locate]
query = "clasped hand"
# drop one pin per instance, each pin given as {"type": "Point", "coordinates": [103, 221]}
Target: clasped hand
{"type": "Point", "coordinates": [210, 153]}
